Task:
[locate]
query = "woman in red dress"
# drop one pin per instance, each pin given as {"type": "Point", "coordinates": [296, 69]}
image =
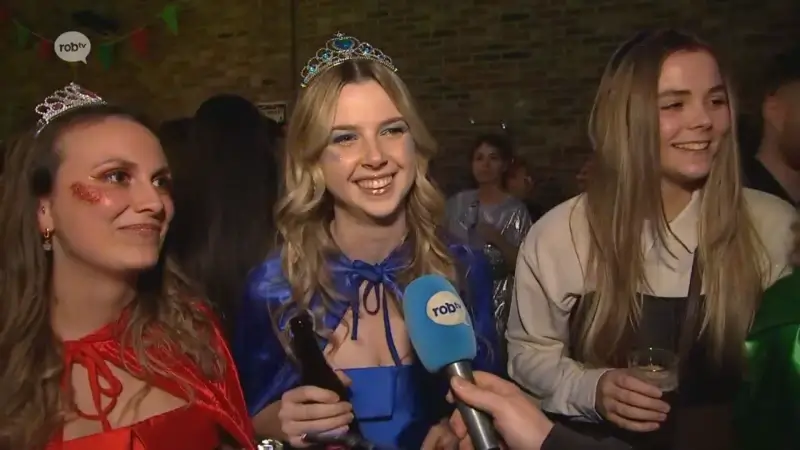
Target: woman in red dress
{"type": "Point", "coordinates": [103, 346]}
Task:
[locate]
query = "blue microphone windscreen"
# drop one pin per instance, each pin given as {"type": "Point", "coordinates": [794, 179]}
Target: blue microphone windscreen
{"type": "Point", "coordinates": [438, 323]}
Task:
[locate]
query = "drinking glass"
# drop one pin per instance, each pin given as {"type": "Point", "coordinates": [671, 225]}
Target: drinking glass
{"type": "Point", "coordinates": [656, 366]}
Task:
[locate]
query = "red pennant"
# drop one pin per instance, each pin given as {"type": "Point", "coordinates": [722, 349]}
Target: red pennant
{"type": "Point", "coordinates": [139, 41]}
{"type": "Point", "coordinates": [5, 14]}
{"type": "Point", "coordinates": [45, 49]}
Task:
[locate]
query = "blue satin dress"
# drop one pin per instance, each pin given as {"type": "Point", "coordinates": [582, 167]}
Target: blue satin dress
{"type": "Point", "coordinates": [395, 405]}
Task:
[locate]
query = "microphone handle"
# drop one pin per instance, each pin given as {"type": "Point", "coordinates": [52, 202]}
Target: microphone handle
{"type": "Point", "coordinates": [479, 424]}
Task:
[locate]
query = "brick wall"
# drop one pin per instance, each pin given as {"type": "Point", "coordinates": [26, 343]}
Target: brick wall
{"type": "Point", "coordinates": [532, 64]}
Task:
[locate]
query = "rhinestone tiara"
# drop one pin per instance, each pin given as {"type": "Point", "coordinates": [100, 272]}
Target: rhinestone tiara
{"type": "Point", "coordinates": [338, 49]}
{"type": "Point", "coordinates": [62, 100]}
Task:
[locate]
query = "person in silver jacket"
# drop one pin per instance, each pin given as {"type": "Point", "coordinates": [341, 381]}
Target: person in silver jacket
{"type": "Point", "coordinates": [490, 219]}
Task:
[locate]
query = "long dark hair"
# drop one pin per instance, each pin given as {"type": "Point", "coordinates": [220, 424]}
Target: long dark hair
{"type": "Point", "coordinates": [224, 199]}
{"type": "Point", "coordinates": [174, 137]}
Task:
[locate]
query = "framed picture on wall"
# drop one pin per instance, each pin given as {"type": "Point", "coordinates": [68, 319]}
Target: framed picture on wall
{"type": "Point", "coordinates": [274, 110]}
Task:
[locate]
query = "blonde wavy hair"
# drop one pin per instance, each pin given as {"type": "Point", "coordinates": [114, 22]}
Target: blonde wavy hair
{"type": "Point", "coordinates": [164, 315]}
{"type": "Point", "coordinates": [624, 199]}
{"type": "Point", "coordinates": [304, 214]}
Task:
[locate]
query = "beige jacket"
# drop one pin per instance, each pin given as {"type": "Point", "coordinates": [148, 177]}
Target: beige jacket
{"type": "Point", "coordinates": [550, 271]}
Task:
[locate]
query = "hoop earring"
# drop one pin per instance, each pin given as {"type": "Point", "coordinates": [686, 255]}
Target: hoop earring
{"type": "Point", "coordinates": [47, 243]}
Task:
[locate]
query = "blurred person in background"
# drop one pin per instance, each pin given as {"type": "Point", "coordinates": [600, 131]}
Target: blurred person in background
{"type": "Point", "coordinates": [224, 199]}
{"type": "Point", "coordinates": [521, 183]}
{"type": "Point", "coordinates": [772, 164]}
{"type": "Point", "coordinates": [489, 218]}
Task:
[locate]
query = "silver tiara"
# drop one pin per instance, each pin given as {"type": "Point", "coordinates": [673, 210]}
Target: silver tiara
{"type": "Point", "coordinates": [62, 100]}
{"type": "Point", "coordinates": [338, 49]}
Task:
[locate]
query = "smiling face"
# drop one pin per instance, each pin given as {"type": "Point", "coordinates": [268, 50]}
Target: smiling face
{"type": "Point", "coordinates": [369, 163]}
{"type": "Point", "coordinates": [693, 116]}
{"type": "Point", "coordinates": [110, 205]}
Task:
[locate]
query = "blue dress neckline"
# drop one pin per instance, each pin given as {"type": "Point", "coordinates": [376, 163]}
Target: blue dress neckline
{"type": "Point", "coordinates": [396, 405]}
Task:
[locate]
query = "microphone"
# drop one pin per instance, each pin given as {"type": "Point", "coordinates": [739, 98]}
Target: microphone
{"type": "Point", "coordinates": [441, 333]}
{"type": "Point", "coordinates": [315, 371]}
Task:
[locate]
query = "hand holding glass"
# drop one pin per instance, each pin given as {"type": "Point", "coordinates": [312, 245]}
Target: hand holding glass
{"type": "Point", "coordinates": [657, 367]}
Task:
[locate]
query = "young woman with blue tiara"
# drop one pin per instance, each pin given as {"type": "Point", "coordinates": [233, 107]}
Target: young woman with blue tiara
{"type": "Point", "coordinates": [358, 221]}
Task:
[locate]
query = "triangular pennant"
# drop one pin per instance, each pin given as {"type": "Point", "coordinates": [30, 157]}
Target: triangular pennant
{"type": "Point", "coordinates": [139, 42]}
{"type": "Point", "coordinates": [23, 34]}
{"type": "Point", "coordinates": [105, 52]}
{"type": "Point", "coordinates": [170, 17]}
{"type": "Point", "coordinates": [45, 49]}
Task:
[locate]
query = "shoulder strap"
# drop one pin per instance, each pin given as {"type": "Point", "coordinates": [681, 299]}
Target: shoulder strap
{"type": "Point", "coordinates": [694, 309]}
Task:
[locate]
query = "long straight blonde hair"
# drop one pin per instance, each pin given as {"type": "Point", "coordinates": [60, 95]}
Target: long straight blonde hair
{"type": "Point", "coordinates": [624, 199]}
{"type": "Point", "coordinates": [304, 214]}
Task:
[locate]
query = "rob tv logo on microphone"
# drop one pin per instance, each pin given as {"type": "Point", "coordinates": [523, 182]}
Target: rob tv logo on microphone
{"type": "Point", "coordinates": [445, 308]}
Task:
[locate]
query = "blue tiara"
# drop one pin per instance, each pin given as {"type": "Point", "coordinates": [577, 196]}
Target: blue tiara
{"type": "Point", "coordinates": [339, 49]}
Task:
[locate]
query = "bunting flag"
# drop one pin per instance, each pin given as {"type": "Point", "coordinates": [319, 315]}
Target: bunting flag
{"type": "Point", "coordinates": [139, 42]}
{"type": "Point", "coordinates": [106, 47]}
{"type": "Point", "coordinates": [105, 52]}
{"type": "Point", "coordinates": [23, 35]}
{"type": "Point", "coordinates": [45, 49]}
{"type": "Point", "coordinates": [170, 17]}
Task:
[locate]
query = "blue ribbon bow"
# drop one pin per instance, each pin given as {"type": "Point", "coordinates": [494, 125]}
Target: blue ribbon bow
{"type": "Point", "coordinates": [377, 279]}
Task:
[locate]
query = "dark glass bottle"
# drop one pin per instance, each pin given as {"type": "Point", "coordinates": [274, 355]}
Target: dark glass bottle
{"type": "Point", "coordinates": [314, 369]}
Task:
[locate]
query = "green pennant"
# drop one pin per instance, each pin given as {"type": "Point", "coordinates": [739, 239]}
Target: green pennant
{"type": "Point", "coordinates": [23, 34]}
{"type": "Point", "coordinates": [105, 52]}
{"type": "Point", "coordinates": [170, 17]}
